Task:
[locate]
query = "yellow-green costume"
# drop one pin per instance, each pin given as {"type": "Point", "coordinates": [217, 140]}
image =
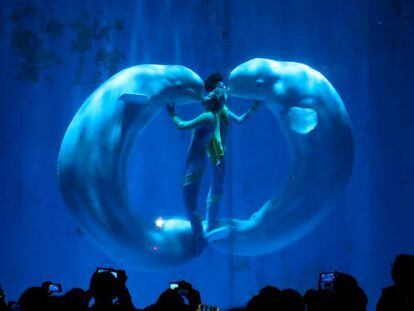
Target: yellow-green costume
{"type": "Point", "coordinates": [216, 149]}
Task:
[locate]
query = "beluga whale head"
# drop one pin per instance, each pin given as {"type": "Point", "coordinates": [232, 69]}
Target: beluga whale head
{"type": "Point", "coordinates": [181, 85]}
{"type": "Point", "coordinates": [254, 79]}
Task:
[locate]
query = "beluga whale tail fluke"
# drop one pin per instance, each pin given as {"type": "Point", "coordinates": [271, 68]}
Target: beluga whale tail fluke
{"type": "Point", "coordinates": [316, 125]}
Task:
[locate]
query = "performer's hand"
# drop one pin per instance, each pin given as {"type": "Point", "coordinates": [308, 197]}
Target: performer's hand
{"type": "Point", "coordinates": [171, 109]}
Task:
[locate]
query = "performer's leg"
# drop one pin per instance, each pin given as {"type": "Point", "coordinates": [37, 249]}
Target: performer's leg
{"type": "Point", "coordinates": [214, 196]}
{"type": "Point", "coordinates": [191, 189]}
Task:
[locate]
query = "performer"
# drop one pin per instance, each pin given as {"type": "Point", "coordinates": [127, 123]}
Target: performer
{"type": "Point", "coordinates": [208, 137]}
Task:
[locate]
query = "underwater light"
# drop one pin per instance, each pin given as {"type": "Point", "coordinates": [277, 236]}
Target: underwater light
{"type": "Point", "coordinates": [159, 222]}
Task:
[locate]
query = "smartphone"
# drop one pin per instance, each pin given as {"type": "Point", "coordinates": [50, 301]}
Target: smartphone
{"type": "Point", "coordinates": [174, 285]}
{"type": "Point", "coordinates": [55, 288]}
{"type": "Point", "coordinates": [326, 281]}
{"type": "Point", "coordinates": [182, 291]}
{"type": "Point", "coordinates": [110, 270]}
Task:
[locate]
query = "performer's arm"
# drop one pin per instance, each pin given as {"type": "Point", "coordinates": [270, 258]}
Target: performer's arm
{"type": "Point", "coordinates": [203, 119]}
{"type": "Point", "coordinates": [246, 115]}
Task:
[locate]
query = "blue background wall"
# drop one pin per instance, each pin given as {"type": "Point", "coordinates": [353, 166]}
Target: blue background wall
{"type": "Point", "coordinates": [53, 57]}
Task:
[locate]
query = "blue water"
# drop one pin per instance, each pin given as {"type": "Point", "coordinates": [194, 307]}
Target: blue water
{"type": "Point", "coordinates": [364, 48]}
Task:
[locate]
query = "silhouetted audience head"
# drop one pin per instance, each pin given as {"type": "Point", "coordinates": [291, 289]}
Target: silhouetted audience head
{"type": "Point", "coordinates": [399, 296]}
{"type": "Point", "coordinates": [184, 297]}
{"type": "Point", "coordinates": [350, 296]}
{"type": "Point", "coordinates": [76, 299]}
{"type": "Point", "coordinates": [292, 300]}
{"type": "Point", "coordinates": [108, 289]}
{"type": "Point", "coordinates": [103, 287]}
{"type": "Point", "coordinates": [34, 298]}
{"type": "Point", "coordinates": [343, 296]}
{"type": "Point", "coordinates": [403, 271]}
{"type": "Point", "coordinates": [3, 305]}
{"type": "Point", "coordinates": [271, 298]}
{"type": "Point", "coordinates": [268, 298]}
{"type": "Point", "coordinates": [171, 300]}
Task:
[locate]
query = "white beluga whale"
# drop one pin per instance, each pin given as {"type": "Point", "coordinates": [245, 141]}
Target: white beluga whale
{"type": "Point", "coordinates": [93, 161]}
{"type": "Point", "coordinates": [318, 130]}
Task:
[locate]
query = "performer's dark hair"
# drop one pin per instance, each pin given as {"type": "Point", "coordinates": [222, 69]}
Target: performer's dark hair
{"type": "Point", "coordinates": [211, 82]}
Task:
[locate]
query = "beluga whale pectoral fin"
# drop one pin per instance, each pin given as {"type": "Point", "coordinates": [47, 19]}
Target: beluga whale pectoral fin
{"type": "Point", "coordinates": [302, 120]}
{"type": "Point", "coordinates": [138, 99]}
{"type": "Point", "coordinates": [260, 81]}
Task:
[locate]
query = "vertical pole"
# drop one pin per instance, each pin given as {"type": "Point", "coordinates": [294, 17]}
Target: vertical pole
{"type": "Point", "coordinates": [225, 33]}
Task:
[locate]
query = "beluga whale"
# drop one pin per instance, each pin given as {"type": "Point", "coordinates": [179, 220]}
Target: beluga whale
{"type": "Point", "coordinates": [317, 127]}
{"type": "Point", "coordinates": [93, 160]}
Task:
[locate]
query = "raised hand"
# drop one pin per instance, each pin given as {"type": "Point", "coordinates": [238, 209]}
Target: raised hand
{"type": "Point", "coordinates": [122, 276]}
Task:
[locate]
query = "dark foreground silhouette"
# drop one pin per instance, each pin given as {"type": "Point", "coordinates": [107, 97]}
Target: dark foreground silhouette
{"type": "Point", "coordinates": [108, 292]}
